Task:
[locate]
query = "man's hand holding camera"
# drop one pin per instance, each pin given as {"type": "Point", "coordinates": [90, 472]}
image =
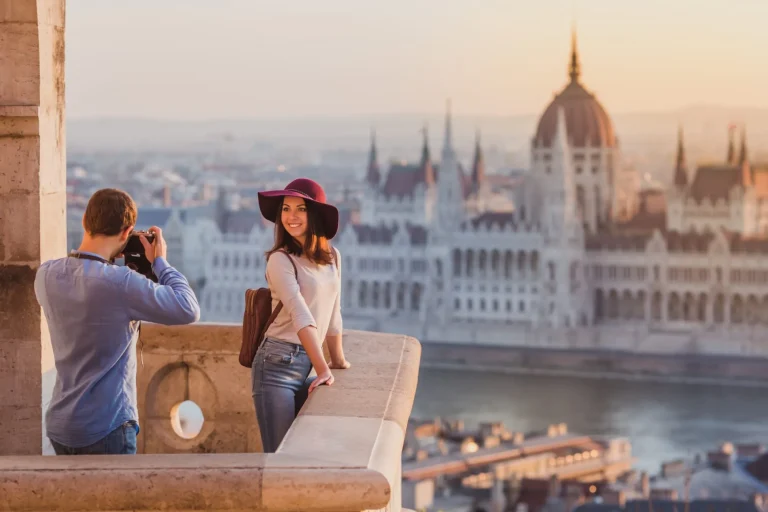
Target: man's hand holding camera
{"type": "Point", "coordinates": [156, 249]}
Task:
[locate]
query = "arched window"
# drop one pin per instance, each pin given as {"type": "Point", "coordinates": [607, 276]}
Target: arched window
{"type": "Point", "coordinates": [456, 263]}
{"type": "Point", "coordinates": [387, 295]}
{"type": "Point", "coordinates": [470, 263]}
{"type": "Point", "coordinates": [375, 294]}
{"type": "Point", "coordinates": [362, 294]}
{"type": "Point", "coordinates": [416, 296]}
{"type": "Point", "coordinates": [599, 304]}
{"type": "Point", "coordinates": [581, 201]}
{"type": "Point", "coordinates": [656, 306]}
{"type": "Point", "coordinates": [495, 258]}
{"type": "Point", "coordinates": [509, 264]}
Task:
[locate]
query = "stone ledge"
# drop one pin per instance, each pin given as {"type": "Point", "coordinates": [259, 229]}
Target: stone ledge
{"type": "Point", "coordinates": [19, 110]}
{"type": "Point", "coordinates": [346, 458]}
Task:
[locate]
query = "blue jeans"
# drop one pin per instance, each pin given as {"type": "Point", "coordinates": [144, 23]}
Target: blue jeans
{"type": "Point", "coordinates": [279, 375]}
{"type": "Point", "coordinates": [121, 441]}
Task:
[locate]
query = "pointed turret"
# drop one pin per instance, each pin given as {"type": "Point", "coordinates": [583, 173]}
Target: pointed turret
{"type": "Point", "coordinates": [425, 166]}
{"type": "Point", "coordinates": [448, 139]}
{"type": "Point", "coordinates": [574, 68]}
{"type": "Point", "coordinates": [373, 176]}
{"type": "Point", "coordinates": [747, 177]}
{"type": "Point", "coordinates": [731, 157]}
{"type": "Point", "coordinates": [561, 158]}
{"type": "Point", "coordinates": [681, 170]}
{"type": "Point", "coordinates": [743, 150]}
{"type": "Point", "coordinates": [478, 165]}
{"type": "Point", "coordinates": [450, 183]}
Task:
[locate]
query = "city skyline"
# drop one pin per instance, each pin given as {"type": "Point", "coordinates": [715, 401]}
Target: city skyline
{"type": "Point", "coordinates": [238, 60]}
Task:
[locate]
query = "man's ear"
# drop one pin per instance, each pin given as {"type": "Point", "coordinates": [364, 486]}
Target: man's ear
{"type": "Point", "coordinates": [126, 233]}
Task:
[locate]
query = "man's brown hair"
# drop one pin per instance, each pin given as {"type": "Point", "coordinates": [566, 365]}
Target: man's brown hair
{"type": "Point", "coordinates": [109, 212]}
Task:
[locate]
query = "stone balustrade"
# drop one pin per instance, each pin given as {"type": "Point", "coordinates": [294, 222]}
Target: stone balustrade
{"type": "Point", "coordinates": [343, 452]}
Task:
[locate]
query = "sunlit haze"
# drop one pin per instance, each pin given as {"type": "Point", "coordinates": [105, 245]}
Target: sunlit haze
{"type": "Point", "coordinates": [197, 59]}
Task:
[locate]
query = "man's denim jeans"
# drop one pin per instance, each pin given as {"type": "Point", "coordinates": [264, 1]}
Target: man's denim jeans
{"type": "Point", "coordinates": [280, 385]}
{"type": "Point", "coordinates": [121, 441]}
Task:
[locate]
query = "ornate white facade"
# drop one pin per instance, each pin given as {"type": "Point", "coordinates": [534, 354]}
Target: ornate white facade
{"type": "Point", "coordinates": [586, 260]}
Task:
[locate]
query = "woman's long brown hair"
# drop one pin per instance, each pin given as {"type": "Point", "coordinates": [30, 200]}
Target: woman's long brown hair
{"type": "Point", "coordinates": [316, 246]}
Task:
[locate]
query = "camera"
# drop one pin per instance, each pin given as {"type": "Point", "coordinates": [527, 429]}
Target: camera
{"type": "Point", "coordinates": [134, 255]}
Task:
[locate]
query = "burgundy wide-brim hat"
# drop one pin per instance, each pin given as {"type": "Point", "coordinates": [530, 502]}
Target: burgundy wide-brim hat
{"type": "Point", "coordinates": [269, 203]}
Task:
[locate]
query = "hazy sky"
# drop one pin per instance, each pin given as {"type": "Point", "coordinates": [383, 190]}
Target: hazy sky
{"type": "Point", "coordinates": [197, 59]}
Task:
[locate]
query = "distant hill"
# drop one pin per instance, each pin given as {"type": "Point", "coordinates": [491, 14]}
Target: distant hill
{"type": "Point", "coordinates": [705, 131]}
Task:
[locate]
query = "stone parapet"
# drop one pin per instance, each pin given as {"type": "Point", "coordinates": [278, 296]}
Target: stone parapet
{"type": "Point", "coordinates": [342, 453]}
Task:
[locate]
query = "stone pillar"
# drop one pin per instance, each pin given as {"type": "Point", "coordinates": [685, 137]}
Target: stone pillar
{"type": "Point", "coordinates": [32, 208]}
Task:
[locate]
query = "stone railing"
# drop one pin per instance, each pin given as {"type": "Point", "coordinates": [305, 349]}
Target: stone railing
{"type": "Point", "coordinates": [343, 452]}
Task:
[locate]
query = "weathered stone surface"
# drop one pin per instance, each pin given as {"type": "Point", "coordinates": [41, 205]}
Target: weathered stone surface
{"type": "Point", "coordinates": [20, 428]}
{"type": "Point", "coordinates": [20, 227]}
{"type": "Point", "coordinates": [326, 490]}
{"type": "Point", "coordinates": [19, 161]}
{"type": "Point", "coordinates": [16, 358]}
{"type": "Point", "coordinates": [32, 205]}
{"type": "Point", "coordinates": [19, 311]}
{"type": "Point", "coordinates": [204, 338]}
{"type": "Point", "coordinates": [335, 438]}
{"type": "Point", "coordinates": [19, 12]}
{"type": "Point", "coordinates": [20, 64]}
{"type": "Point", "coordinates": [133, 489]}
{"type": "Point", "coordinates": [338, 401]}
{"type": "Point", "coordinates": [389, 440]}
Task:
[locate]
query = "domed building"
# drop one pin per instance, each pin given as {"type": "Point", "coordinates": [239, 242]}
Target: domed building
{"type": "Point", "coordinates": [602, 188]}
{"type": "Point", "coordinates": [587, 121]}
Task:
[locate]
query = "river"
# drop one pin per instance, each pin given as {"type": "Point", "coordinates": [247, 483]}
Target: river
{"type": "Point", "coordinates": [662, 421]}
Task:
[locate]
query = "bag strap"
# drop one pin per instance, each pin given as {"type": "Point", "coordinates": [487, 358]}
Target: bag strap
{"type": "Point", "coordinates": [82, 256]}
{"type": "Point", "coordinates": [279, 306]}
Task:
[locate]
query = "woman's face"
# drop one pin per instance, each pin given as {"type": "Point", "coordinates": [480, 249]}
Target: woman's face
{"type": "Point", "coordinates": [294, 217]}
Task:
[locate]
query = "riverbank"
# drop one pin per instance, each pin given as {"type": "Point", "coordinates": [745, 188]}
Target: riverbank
{"type": "Point", "coordinates": [598, 364]}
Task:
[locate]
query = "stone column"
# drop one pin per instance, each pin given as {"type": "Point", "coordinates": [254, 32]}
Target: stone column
{"type": "Point", "coordinates": [32, 208]}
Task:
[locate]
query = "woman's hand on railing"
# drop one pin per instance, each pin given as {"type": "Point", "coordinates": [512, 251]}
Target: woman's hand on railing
{"type": "Point", "coordinates": [324, 378]}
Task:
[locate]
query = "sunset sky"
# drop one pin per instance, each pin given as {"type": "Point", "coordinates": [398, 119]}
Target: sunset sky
{"type": "Point", "coordinates": [197, 59]}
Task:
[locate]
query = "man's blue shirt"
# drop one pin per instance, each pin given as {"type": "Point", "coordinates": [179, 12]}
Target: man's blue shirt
{"type": "Point", "coordinates": [93, 311]}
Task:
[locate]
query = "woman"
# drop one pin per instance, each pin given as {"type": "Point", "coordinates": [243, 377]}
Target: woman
{"type": "Point", "coordinates": [304, 273]}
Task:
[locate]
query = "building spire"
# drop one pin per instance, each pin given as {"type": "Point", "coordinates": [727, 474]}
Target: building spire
{"type": "Point", "coordinates": [747, 176]}
{"type": "Point", "coordinates": [427, 172]}
{"type": "Point", "coordinates": [743, 151]}
{"type": "Point", "coordinates": [681, 172]}
{"type": "Point", "coordinates": [731, 157]}
{"type": "Point", "coordinates": [478, 165]}
{"type": "Point", "coordinates": [448, 142]}
{"type": "Point", "coordinates": [373, 176]}
{"type": "Point", "coordinates": [574, 69]}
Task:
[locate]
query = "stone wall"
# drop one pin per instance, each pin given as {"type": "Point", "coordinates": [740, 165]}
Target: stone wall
{"type": "Point", "coordinates": [343, 452]}
{"type": "Point", "coordinates": [32, 208]}
{"type": "Point", "coordinates": [197, 363]}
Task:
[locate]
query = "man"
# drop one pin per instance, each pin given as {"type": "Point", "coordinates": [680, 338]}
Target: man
{"type": "Point", "coordinates": [93, 309]}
